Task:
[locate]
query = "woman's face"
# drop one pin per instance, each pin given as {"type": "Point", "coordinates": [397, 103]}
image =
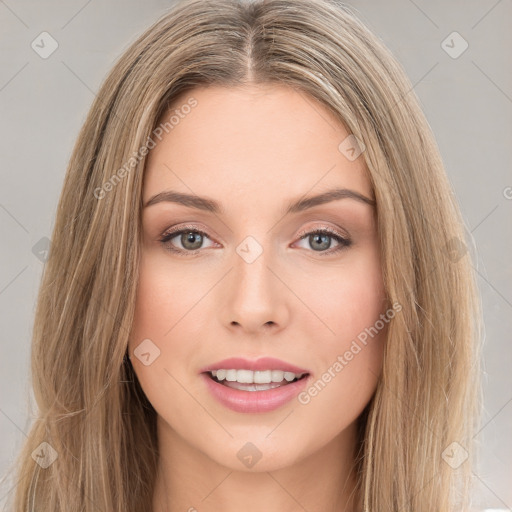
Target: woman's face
{"type": "Point", "coordinates": [252, 282]}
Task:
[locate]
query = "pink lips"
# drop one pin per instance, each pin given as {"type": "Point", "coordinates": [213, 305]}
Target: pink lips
{"type": "Point", "coordinates": [264, 363]}
{"type": "Point", "coordinates": [254, 401]}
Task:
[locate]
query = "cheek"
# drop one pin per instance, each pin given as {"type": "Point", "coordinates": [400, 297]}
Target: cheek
{"type": "Point", "coordinates": [349, 342]}
{"type": "Point", "coordinates": [347, 299]}
{"type": "Point", "coordinates": [165, 298]}
{"type": "Point", "coordinates": [160, 304]}
{"type": "Point", "coordinates": [164, 315]}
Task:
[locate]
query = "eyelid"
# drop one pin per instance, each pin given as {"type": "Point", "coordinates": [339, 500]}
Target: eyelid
{"type": "Point", "coordinates": [181, 227]}
{"type": "Point", "coordinates": [307, 231]}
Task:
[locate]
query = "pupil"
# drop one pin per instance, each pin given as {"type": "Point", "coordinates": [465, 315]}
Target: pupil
{"type": "Point", "coordinates": [190, 237]}
{"type": "Point", "coordinates": [319, 236]}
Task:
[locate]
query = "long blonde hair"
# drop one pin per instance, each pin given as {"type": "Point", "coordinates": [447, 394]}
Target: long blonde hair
{"type": "Point", "coordinates": [92, 413]}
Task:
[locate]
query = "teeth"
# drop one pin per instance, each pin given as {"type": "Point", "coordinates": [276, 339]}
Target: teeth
{"type": "Point", "coordinates": [257, 377]}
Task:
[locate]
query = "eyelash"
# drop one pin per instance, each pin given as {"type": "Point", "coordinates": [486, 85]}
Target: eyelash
{"type": "Point", "coordinates": [343, 243]}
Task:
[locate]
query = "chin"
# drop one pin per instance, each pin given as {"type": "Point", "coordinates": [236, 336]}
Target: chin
{"type": "Point", "coordinates": [251, 453]}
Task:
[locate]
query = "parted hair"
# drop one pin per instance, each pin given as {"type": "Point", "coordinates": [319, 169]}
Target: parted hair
{"type": "Point", "coordinates": [91, 412]}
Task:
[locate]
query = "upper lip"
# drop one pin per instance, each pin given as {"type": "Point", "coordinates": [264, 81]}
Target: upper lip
{"type": "Point", "coordinates": [264, 363]}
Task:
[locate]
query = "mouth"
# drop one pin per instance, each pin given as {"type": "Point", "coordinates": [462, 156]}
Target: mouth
{"type": "Point", "coordinates": [254, 386]}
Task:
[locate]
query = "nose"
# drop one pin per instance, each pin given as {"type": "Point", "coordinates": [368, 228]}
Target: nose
{"type": "Point", "coordinates": [254, 298]}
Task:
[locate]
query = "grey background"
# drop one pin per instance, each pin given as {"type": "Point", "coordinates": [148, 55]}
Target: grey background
{"type": "Point", "coordinates": [467, 100]}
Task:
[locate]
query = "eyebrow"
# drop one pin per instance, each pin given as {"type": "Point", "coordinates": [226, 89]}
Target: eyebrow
{"type": "Point", "coordinates": [209, 205]}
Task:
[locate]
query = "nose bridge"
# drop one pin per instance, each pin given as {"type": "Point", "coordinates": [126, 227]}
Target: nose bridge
{"type": "Point", "coordinates": [254, 295]}
{"type": "Point", "coordinates": [251, 273]}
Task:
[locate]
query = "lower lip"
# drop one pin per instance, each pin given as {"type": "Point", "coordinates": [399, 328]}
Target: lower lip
{"type": "Point", "coordinates": [254, 401]}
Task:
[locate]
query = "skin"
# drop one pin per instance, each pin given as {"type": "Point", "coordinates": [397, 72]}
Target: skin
{"type": "Point", "coordinates": [254, 149]}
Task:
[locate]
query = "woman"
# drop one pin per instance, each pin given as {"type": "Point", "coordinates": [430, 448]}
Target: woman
{"type": "Point", "coordinates": [258, 294]}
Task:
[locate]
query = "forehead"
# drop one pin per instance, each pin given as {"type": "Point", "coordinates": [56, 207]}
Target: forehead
{"type": "Point", "coordinates": [264, 138]}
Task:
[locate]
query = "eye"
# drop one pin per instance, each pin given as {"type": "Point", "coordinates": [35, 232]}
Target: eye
{"type": "Point", "coordinates": [320, 241]}
{"type": "Point", "coordinates": [190, 238]}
